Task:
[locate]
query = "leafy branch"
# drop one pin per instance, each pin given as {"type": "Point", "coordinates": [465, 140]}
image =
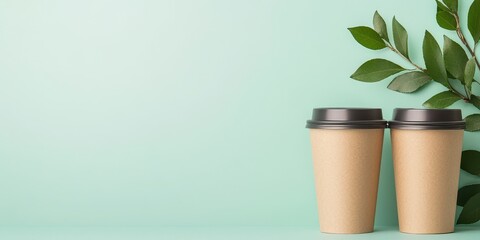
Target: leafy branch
{"type": "Point", "coordinates": [455, 63]}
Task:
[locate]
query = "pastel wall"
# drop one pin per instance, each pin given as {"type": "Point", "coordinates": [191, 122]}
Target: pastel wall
{"type": "Point", "coordinates": [182, 112]}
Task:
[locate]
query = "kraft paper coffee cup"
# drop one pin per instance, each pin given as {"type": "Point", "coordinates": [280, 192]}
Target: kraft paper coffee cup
{"type": "Point", "coordinates": [347, 148]}
{"type": "Point", "coordinates": [427, 147]}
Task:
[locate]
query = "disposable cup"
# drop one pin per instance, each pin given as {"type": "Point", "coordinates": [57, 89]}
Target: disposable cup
{"type": "Point", "coordinates": [427, 147]}
{"type": "Point", "coordinates": [347, 149]}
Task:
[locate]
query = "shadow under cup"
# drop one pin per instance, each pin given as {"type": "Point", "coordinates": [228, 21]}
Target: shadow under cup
{"type": "Point", "coordinates": [347, 149]}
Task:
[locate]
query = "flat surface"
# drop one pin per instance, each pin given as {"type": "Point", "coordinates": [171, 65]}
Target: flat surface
{"type": "Point", "coordinates": [277, 233]}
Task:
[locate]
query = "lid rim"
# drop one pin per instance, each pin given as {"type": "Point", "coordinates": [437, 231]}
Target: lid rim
{"type": "Point", "coordinates": [347, 124]}
{"type": "Point", "coordinates": [428, 127]}
{"type": "Point", "coordinates": [426, 123]}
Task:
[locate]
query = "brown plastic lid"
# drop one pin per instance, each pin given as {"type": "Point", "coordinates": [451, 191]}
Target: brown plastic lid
{"type": "Point", "coordinates": [411, 118]}
{"type": "Point", "coordinates": [347, 118]}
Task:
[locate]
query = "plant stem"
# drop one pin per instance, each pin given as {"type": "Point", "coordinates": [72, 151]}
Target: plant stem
{"type": "Point", "coordinates": [467, 92]}
{"type": "Point", "coordinates": [464, 41]}
{"type": "Point", "coordinates": [405, 58]}
{"type": "Point", "coordinates": [453, 90]}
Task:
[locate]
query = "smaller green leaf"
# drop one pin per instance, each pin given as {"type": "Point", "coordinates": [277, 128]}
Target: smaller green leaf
{"type": "Point", "coordinates": [471, 211]}
{"type": "Point", "coordinates": [409, 82]}
{"type": "Point", "coordinates": [375, 70]}
{"type": "Point", "coordinates": [367, 37]}
{"type": "Point", "coordinates": [451, 4]}
{"type": "Point", "coordinates": [446, 20]}
{"type": "Point", "coordinates": [442, 7]}
{"type": "Point", "coordinates": [380, 26]}
{"type": "Point", "coordinates": [434, 59]}
{"type": "Point", "coordinates": [474, 20]}
{"type": "Point", "coordinates": [441, 100]}
{"type": "Point", "coordinates": [455, 58]}
{"type": "Point", "coordinates": [473, 123]}
{"type": "Point", "coordinates": [469, 73]}
{"type": "Point", "coordinates": [471, 162]}
{"type": "Point", "coordinates": [475, 101]}
{"type": "Point", "coordinates": [466, 192]}
{"type": "Point", "coordinates": [400, 37]}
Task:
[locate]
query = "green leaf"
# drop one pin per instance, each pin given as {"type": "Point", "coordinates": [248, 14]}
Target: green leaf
{"type": "Point", "coordinates": [441, 100]}
{"type": "Point", "coordinates": [474, 20]}
{"type": "Point", "coordinates": [455, 58]}
{"type": "Point", "coordinates": [442, 6]}
{"type": "Point", "coordinates": [400, 37]}
{"type": "Point", "coordinates": [473, 122]}
{"type": "Point", "coordinates": [471, 162]}
{"type": "Point", "coordinates": [375, 70]}
{"type": "Point", "coordinates": [446, 20]}
{"type": "Point", "coordinates": [475, 101]}
{"type": "Point", "coordinates": [380, 26]}
{"type": "Point", "coordinates": [434, 60]}
{"type": "Point", "coordinates": [367, 37]}
{"type": "Point", "coordinates": [451, 4]}
{"type": "Point", "coordinates": [466, 192]}
{"type": "Point", "coordinates": [409, 82]}
{"type": "Point", "coordinates": [469, 73]}
{"type": "Point", "coordinates": [471, 211]}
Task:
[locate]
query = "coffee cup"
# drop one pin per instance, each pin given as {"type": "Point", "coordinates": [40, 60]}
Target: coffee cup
{"type": "Point", "coordinates": [346, 149]}
{"type": "Point", "coordinates": [427, 148]}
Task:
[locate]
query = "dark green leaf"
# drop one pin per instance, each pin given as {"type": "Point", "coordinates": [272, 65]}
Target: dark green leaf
{"type": "Point", "coordinates": [475, 101]}
{"type": "Point", "coordinates": [400, 37]}
{"type": "Point", "coordinates": [380, 26]}
{"type": "Point", "coordinates": [367, 37]}
{"type": "Point", "coordinates": [469, 73]}
{"type": "Point", "coordinates": [434, 59]}
{"type": "Point", "coordinates": [452, 4]}
{"type": "Point", "coordinates": [375, 70]}
{"type": "Point", "coordinates": [474, 20]}
{"type": "Point", "coordinates": [473, 123]}
{"type": "Point", "coordinates": [441, 100]}
{"type": "Point", "coordinates": [471, 211]}
{"type": "Point", "coordinates": [442, 7]}
{"type": "Point", "coordinates": [446, 20]}
{"type": "Point", "coordinates": [466, 192]}
{"type": "Point", "coordinates": [409, 82]}
{"type": "Point", "coordinates": [455, 58]}
{"type": "Point", "coordinates": [471, 162]}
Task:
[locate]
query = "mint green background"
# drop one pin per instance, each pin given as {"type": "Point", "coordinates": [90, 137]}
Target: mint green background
{"type": "Point", "coordinates": [183, 113]}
